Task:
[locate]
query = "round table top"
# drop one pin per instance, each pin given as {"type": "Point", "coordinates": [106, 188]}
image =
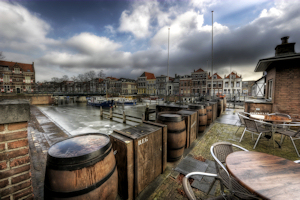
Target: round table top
{"type": "Point", "coordinates": [271, 118]}
{"type": "Point", "coordinates": [268, 176]}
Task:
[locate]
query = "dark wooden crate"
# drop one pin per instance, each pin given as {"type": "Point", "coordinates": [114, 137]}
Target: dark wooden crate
{"type": "Point", "coordinates": [191, 121]}
{"type": "Point", "coordinates": [141, 156]}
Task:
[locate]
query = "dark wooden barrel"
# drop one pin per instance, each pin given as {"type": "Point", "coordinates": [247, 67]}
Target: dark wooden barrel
{"type": "Point", "coordinates": [176, 135]}
{"type": "Point", "coordinates": [220, 107]}
{"type": "Point", "coordinates": [224, 103]}
{"type": "Point", "coordinates": [209, 111]}
{"type": "Point", "coordinates": [81, 167]}
{"type": "Point", "coordinates": [214, 105]}
{"type": "Point", "coordinates": [202, 116]}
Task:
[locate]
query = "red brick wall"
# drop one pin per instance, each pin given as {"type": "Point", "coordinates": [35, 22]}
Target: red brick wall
{"type": "Point", "coordinates": [287, 89]}
{"type": "Point", "coordinates": [15, 175]}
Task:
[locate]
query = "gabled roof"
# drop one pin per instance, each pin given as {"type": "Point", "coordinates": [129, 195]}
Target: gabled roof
{"type": "Point", "coordinates": [218, 77]}
{"type": "Point", "coordinates": [148, 75]}
{"type": "Point", "coordinates": [24, 66]}
{"type": "Point", "coordinates": [200, 70]}
{"type": "Point", "coordinates": [112, 78]}
{"type": "Point", "coordinates": [232, 73]}
{"type": "Point", "coordinates": [100, 80]}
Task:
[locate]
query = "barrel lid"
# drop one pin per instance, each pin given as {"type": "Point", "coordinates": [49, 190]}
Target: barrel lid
{"type": "Point", "coordinates": [196, 106]}
{"type": "Point", "coordinates": [170, 117]}
{"type": "Point", "coordinates": [186, 112]}
{"type": "Point", "coordinates": [78, 149]}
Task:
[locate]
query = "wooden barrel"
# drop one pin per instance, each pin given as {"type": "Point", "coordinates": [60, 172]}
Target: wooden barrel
{"type": "Point", "coordinates": [81, 167]}
{"type": "Point", "coordinates": [202, 117]}
{"type": "Point", "coordinates": [224, 103]}
{"type": "Point", "coordinates": [220, 107]}
{"type": "Point", "coordinates": [209, 110]}
{"type": "Point", "coordinates": [176, 138]}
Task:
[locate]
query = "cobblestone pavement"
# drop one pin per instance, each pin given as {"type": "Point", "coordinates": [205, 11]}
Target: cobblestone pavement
{"type": "Point", "coordinates": [42, 133]}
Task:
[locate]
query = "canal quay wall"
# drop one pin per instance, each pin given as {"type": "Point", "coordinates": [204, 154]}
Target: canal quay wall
{"type": "Point", "coordinates": [34, 99]}
{"type": "Point", "coordinates": [15, 160]}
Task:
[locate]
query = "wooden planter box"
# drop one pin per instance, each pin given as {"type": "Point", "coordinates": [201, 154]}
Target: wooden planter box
{"type": "Point", "coordinates": [191, 122]}
{"type": "Point", "coordinates": [141, 156]}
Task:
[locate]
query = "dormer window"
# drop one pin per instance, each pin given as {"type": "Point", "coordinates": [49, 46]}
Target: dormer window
{"type": "Point", "coordinates": [17, 70]}
{"type": "Point", "coordinates": [215, 77]}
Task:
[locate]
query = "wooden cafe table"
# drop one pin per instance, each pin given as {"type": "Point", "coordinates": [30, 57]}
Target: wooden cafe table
{"type": "Point", "coordinates": [268, 176]}
{"type": "Point", "coordinates": [274, 119]}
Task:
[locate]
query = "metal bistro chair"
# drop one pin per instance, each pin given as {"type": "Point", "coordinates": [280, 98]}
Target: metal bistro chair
{"type": "Point", "coordinates": [285, 131]}
{"type": "Point", "coordinates": [220, 151]}
{"type": "Point", "coordinates": [241, 116]}
{"type": "Point", "coordinates": [256, 127]}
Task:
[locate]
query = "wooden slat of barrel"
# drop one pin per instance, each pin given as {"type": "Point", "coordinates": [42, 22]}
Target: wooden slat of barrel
{"type": "Point", "coordinates": [224, 103]}
{"type": "Point", "coordinates": [209, 113]}
{"type": "Point", "coordinates": [214, 105]}
{"type": "Point", "coordinates": [202, 116]}
{"type": "Point", "coordinates": [81, 167]}
{"type": "Point", "coordinates": [220, 107]}
{"type": "Point", "coordinates": [176, 135]}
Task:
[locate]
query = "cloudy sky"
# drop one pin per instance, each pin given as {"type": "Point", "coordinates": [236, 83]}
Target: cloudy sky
{"type": "Point", "coordinates": [124, 38]}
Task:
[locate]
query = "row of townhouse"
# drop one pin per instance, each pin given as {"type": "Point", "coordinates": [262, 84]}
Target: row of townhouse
{"type": "Point", "coordinates": [196, 84]}
{"type": "Point", "coordinates": [200, 83]}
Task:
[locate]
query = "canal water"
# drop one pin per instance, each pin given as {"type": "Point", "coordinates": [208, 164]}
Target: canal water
{"type": "Point", "coordinates": [79, 118]}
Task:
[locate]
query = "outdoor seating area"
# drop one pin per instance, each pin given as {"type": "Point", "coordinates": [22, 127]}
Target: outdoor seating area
{"type": "Point", "coordinates": [273, 123]}
{"type": "Point", "coordinates": [227, 185]}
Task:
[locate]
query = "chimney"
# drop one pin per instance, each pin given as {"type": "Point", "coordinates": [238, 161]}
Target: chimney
{"type": "Point", "coordinates": [285, 47]}
{"type": "Point", "coordinates": [208, 73]}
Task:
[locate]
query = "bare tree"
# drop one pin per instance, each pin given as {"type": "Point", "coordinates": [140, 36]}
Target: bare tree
{"type": "Point", "coordinates": [91, 75]}
{"type": "Point", "coordinates": [55, 79]}
{"type": "Point", "coordinates": [74, 78]}
{"type": "Point", "coordinates": [65, 78]}
{"type": "Point", "coordinates": [101, 74]}
{"type": "Point", "coordinates": [1, 55]}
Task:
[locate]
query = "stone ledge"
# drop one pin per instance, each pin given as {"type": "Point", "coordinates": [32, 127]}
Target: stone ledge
{"type": "Point", "coordinates": [13, 111]}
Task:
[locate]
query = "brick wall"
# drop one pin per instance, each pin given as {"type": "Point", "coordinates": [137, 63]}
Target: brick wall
{"type": "Point", "coordinates": [15, 175]}
{"type": "Point", "coordinates": [287, 89]}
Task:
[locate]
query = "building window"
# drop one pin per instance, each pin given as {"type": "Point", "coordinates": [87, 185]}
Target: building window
{"type": "Point", "coordinates": [6, 79]}
{"type": "Point", "coordinates": [232, 84]}
{"type": "Point", "coordinates": [17, 70]}
{"type": "Point", "coordinates": [214, 85]}
{"type": "Point", "coordinates": [226, 84]}
{"type": "Point", "coordinates": [27, 79]}
{"type": "Point", "coordinates": [220, 85]}
{"type": "Point", "coordinates": [237, 84]}
{"type": "Point", "coordinates": [225, 91]}
{"type": "Point", "coordinates": [215, 77]}
{"type": "Point", "coordinates": [270, 86]}
{"type": "Point", "coordinates": [209, 85]}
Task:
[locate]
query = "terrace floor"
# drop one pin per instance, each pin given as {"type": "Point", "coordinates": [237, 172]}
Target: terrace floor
{"type": "Point", "coordinates": [223, 129]}
{"type": "Point", "coordinates": [168, 185]}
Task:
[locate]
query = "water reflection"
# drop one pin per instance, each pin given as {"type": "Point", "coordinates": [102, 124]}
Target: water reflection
{"type": "Point", "coordinates": [79, 118]}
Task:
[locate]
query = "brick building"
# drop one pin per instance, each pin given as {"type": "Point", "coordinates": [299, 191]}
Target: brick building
{"type": "Point", "coordinates": [232, 83]}
{"type": "Point", "coordinates": [282, 81]}
{"type": "Point", "coordinates": [16, 77]}
{"type": "Point", "coordinates": [146, 84]}
{"type": "Point", "coordinates": [185, 85]}
{"type": "Point", "coordinates": [199, 82]}
{"type": "Point", "coordinates": [217, 84]}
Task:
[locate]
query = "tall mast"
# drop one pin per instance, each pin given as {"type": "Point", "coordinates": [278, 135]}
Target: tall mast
{"type": "Point", "coordinates": [167, 91]}
{"type": "Point", "coordinates": [212, 50]}
{"type": "Point", "coordinates": [168, 49]}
